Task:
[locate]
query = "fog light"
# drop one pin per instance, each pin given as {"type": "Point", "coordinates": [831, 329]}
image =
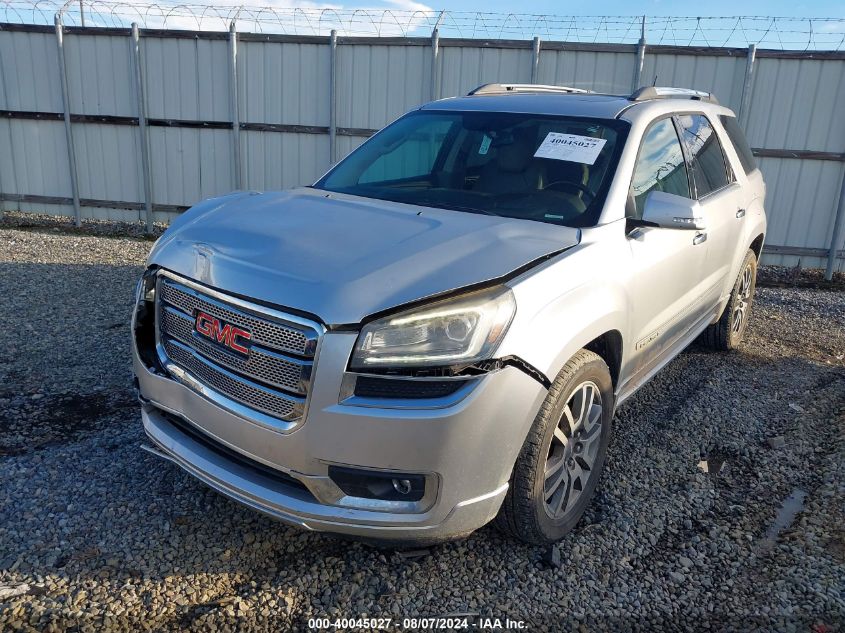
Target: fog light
{"type": "Point", "coordinates": [402, 486]}
{"type": "Point", "coordinates": [371, 484]}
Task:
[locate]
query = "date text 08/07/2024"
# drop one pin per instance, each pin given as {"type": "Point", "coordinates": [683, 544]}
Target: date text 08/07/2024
{"type": "Point", "coordinates": [443, 623]}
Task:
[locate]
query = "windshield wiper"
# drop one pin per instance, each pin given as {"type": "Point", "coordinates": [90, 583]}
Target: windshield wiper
{"type": "Point", "coordinates": [455, 207]}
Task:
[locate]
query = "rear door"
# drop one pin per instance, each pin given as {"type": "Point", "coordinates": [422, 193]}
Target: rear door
{"type": "Point", "coordinates": [667, 262]}
{"type": "Point", "coordinates": [722, 203]}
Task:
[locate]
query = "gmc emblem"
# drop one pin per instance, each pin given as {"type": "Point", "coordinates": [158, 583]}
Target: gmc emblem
{"type": "Point", "coordinates": [223, 333]}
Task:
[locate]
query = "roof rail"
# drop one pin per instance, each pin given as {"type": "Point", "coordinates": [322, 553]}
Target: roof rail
{"type": "Point", "coordinates": [651, 92]}
{"type": "Point", "coordinates": [494, 89]}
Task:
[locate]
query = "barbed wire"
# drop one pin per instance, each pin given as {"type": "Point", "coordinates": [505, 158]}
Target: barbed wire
{"type": "Point", "coordinates": [783, 33]}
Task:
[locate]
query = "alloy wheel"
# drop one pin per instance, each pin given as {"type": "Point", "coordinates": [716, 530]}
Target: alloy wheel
{"type": "Point", "coordinates": [574, 447]}
{"type": "Point", "coordinates": [743, 299]}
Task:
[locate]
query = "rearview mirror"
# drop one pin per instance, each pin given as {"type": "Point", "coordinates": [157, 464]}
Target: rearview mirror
{"type": "Point", "coordinates": [669, 211]}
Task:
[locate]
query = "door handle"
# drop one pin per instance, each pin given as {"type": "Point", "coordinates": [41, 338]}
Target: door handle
{"type": "Point", "coordinates": [740, 213]}
{"type": "Point", "coordinates": [700, 238]}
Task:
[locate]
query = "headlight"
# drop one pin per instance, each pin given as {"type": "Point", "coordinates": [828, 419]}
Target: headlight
{"type": "Point", "coordinates": [462, 330]}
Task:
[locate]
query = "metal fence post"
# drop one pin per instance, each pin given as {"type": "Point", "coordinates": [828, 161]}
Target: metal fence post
{"type": "Point", "coordinates": [333, 97]}
{"type": "Point", "coordinates": [638, 69]}
{"type": "Point", "coordinates": [535, 60]}
{"type": "Point", "coordinates": [233, 92]}
{"type": "Point", "coordinates": [142, 128]}
{"type": "Point", "coordinates": [837, 232]}
{"type": "Point", "coordinates": [747, 86]}
{"type": "Point", "coordinates": [435, 54]}
{"type": "Point", "coordinates": [71, 153]}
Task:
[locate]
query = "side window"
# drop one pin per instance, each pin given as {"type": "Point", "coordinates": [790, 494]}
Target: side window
{"type": "Point", "coordinates": [660, 166]}
{"type": "Point", "coordinates": [740, 143]}
{"type": "Point", "coordinates": [413, 157]}
{"type": "Point", "coordinates": [707, 159]}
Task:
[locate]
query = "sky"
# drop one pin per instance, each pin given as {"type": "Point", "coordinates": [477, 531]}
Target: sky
{"type": "Point", "coordinates": [472, 18]}
{"type": "Point", "coordinates": [816, 8]}
{"type": "Point", "coordinates": [463, 20]}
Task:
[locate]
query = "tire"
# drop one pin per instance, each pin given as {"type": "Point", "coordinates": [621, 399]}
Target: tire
{"type": "Point", "coordinates": [526, 514]}
{"type": "Point", "coordinates": [726, 334]}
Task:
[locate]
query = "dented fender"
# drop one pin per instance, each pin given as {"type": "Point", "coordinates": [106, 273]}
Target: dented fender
{"type": "Point", "coordinates": [558, 312]}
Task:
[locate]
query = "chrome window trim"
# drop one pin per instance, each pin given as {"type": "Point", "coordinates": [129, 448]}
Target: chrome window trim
{"type": "Point", "coordinates": [730, 185]}
{"type": "Point", "coordinates": [641, 144]}
{"type": "Point", "coordinates": [731, 178]}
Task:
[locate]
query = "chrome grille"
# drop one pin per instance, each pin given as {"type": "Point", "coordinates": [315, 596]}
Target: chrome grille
{"type": "Point", "coordinates": [292, 375]}
{"type": "Point", "coordinates": [273, 378]}
{"type": "Point", "coordinates": [230, 384]}
{"type": "Point", "coordinates": [264, 332]}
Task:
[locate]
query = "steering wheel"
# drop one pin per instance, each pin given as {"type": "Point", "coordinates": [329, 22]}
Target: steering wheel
{"type": "Point", "coordinates": [568, 184]}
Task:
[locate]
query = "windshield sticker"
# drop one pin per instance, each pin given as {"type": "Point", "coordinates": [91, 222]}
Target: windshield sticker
{"type": "Point", "coordinates": [571, 147]}
{"type": "Point", "coordinates": [485, 145]}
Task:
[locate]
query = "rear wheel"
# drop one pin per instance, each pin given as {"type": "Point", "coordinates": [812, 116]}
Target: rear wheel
{"type": "Point", "coordinates": [728, 331]}
{"type": "Point", "coordinates": [561, 461]}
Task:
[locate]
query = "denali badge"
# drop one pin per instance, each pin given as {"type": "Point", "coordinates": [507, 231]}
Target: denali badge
{"type": "Point", "coordinates": [224, 333]}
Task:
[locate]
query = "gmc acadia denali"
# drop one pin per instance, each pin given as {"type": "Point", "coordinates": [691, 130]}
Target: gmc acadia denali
{"type": "Point", "coordinates": [438, 331]}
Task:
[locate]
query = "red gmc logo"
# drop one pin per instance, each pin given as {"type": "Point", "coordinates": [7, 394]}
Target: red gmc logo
{"type": "Point", "coordinates": [223, 333]}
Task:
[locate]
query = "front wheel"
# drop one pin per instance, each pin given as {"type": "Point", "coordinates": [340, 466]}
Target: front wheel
{"type": "Point", "coordinates": [728, 331]}
{"type": "Point", "coordinates": [561, 461]}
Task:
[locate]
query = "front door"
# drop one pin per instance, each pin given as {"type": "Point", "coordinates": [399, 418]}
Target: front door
{"type": "Point", "coordinates": [667, 286]}
{"type": "Point", "coordinates": [721, 202]}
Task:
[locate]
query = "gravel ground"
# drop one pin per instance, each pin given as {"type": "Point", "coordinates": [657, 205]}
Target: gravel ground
{"type": "Point", "coordinates": [96, 534]}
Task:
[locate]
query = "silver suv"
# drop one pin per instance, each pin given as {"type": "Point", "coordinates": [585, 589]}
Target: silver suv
{"type": "Point", "coordinates": [438, 331]}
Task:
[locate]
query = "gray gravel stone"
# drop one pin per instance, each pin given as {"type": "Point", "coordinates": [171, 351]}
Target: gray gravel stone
{"type": "Point", "coordinates": [111, 538]}
{"type": "Point", "coordinates": [777, 442]}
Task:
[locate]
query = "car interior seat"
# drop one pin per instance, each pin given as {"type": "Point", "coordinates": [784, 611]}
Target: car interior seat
{"type": "Point", "coordinates": [513, 169]}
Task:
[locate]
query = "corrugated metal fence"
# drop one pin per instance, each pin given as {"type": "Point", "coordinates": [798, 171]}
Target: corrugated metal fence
{"type": "Point", "coordinates": [225, 111]}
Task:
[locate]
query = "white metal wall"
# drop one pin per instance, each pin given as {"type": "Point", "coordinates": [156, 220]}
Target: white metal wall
{"type": "Point", "coordinates": [284, 104]}
{"type": "Point", "coordinates": [376, 84]}
{"type": "Point", "coordinates": [797, 104]}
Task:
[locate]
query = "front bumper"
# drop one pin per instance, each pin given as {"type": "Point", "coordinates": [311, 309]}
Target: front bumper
{"type": "Point", "coordinates": [466, 450]}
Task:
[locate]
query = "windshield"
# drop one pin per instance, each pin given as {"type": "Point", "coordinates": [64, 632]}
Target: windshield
{"type": "Point", "coordinates": [550, 169]}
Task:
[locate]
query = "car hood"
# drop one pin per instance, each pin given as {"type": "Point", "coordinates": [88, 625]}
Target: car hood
{"type": "Point", "coordinates": [341, 258]}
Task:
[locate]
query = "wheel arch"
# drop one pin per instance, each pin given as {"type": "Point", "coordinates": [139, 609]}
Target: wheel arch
{"type": "Point", "coordinates": [590, 316]}
{"type": "Point", "coordinates": [599, 334]}
{"type": "Point", "coordinates": [609, 347]}
{"type": "Point", "coordinates": [757, 245]}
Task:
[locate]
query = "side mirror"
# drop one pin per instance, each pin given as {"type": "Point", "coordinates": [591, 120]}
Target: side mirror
{"type": "Point", "coordinates": [669, 211]}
